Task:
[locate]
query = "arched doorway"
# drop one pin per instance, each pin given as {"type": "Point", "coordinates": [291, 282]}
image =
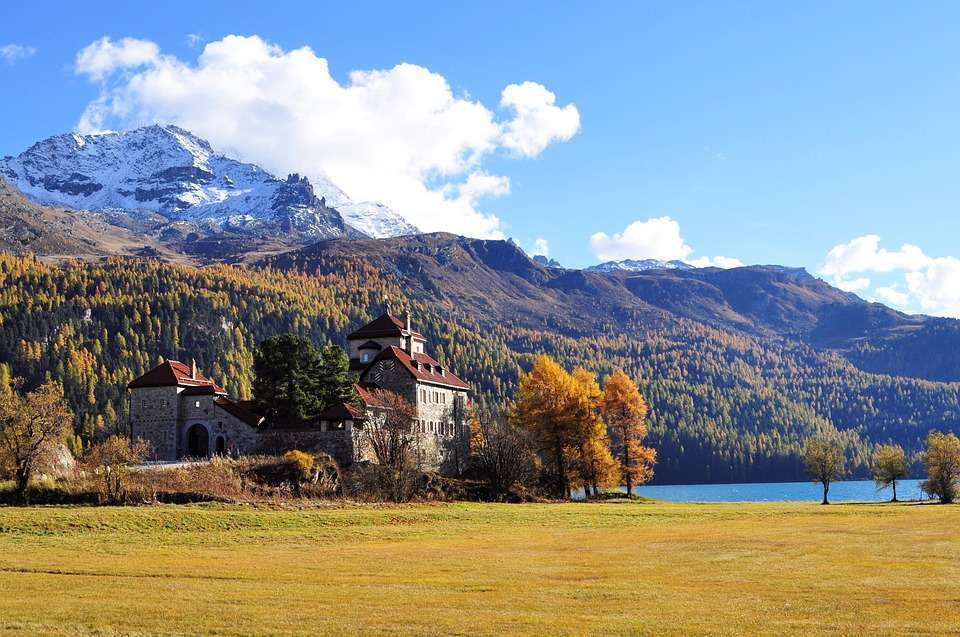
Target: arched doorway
{"type": "Point", "coordinates": [198, 442]}
{"type": "Point", "coordinates": [221, 446]}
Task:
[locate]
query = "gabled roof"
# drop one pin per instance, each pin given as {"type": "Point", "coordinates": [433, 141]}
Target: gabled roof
{"type": "Point", "coordinates": [341, 411]}
{"type": "Point", "coordinates": [174, 374]}
{"type": "Point", "coordinates": [427, 370]}
{"type": "Point", "coordinates": [367, 392]}
{"type": "Point", "coordinates": [384, 325]}
{"type": "Point", "coordinates": [371, 345]}
{"type": "Point", "coordinates": [238, 411]}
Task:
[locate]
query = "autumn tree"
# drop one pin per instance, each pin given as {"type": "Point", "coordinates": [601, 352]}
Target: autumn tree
{"type": "Point", "coordinates": [110, 460]}
{"type": "Point", "coordinates": [889, 464]}
{"type": "Point", "coordinates": [625, 413]}
{"type": "Point", "coordinates": [391, 436]}
{"type": "Point", "coordinates": [943, 466]}
{"type": "Point", "coordinates": [31, 426]}
{"type": "Point", "coordinates": [562, 413]}
{"type": "Point", "coordinates": [824, 462]}
{"type": "Point", "coordinates": [593, 465]}
{"type": "Point", "coordinates": [543, 407]}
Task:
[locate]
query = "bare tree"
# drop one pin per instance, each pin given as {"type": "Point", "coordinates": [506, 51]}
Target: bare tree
{"type": "Point", "coordinates": [392, 438]}
{"type": "Point", "coordinates": [30, 427]}
{"type": "Point", "coordinates": [503, 454]}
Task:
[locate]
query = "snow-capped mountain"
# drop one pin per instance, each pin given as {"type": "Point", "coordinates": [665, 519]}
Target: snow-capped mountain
{"type": "Point", "coordinates": [375, 219]}
{"type": "Point", "coordinates": [639, 265]}
{"type": "Point", "coordinates": [169, 171]}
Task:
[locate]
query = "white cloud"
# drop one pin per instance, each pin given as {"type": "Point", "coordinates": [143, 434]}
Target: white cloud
{"type": "Point", "coordinates": [541, 246]}
{"type": "Point", "coordinates": [193, 39]}
{"type": "Point", "coordinates": [656, 238]}
{"type": "Point", "coordinates": [103, 57]}
{"type": "Point", "coordinates": [937, 287]}
{"type": "Point", "coordinates": [539, 121]}
{"type": "Point", "coordinates": [893, 296]}
{"type": "Point", "coordinates": [864, 254]}
{"type": "Point", "coordinates": [11, 53]}
{"type": "Point", "coordinates": [930, 284]}
{"type": "Point", "coordinates": [852, 285]}
{"type": "Point", "coordinates": [398, 136]}
{"type": "Point", "coordinates": [716, 262]}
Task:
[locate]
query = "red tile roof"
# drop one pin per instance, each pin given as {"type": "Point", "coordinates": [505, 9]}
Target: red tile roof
{"type": "Point", "coordinates": [238, 411]}
{"type": "Point", "coordinates": [342, 411]}
{"type": "Point", "coordinates": [368, 394]}
{"type": "Point", "coordinates": [383, 325]}
{"type": "Point", "coordinates": [427, 370]}
{"type": "Point", "coordinates": [174, 374]}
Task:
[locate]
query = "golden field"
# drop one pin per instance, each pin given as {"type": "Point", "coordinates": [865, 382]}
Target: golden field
{"type": "Point", "coordinates": [616, 568]}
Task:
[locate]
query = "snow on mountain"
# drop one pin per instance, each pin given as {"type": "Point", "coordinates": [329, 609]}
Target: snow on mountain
{"type": "Point", "coordinates": [639, 265]}
{"type": "Point", "coordinates": [170, 171]}
{"type": "Point", "coordinates": [375, 219]}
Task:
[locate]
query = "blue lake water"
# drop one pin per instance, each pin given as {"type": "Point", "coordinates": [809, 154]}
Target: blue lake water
{"type": "Point", "coordinates": [844, 491]}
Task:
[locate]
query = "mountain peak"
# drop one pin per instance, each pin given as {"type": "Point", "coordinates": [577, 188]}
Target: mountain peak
{"type": "Point", "coordinates": [167, 170]}
{"type": "Point", "coordinates": [639, 265]}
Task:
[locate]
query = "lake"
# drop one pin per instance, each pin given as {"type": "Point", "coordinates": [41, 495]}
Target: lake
{"type": "Point", "coordinates": [844, 491]}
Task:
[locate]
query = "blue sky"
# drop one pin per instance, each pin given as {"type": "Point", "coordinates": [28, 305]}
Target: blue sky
{"type": "Point", "coordinates": [770, 133]}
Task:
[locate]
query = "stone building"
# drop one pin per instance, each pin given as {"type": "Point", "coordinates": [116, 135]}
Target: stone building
{"type": "Point", "coordinates": [183, 414]}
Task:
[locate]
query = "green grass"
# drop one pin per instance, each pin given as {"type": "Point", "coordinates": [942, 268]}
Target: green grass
{"type": "Point", "coordinates": [478, 569]}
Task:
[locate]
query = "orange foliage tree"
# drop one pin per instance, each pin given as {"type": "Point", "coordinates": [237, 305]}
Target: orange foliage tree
{"type": "Point", "coordinates": [625, 412]}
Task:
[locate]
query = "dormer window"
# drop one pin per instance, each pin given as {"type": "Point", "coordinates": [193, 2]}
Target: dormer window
{"type": "Point", "coordinates": [365, 357]}
{"type": "Point", "coordinates": [442, 371]}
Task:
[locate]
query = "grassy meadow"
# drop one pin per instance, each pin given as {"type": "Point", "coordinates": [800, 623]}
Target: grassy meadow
{"type": "Point", "coordinates": [616, 568]}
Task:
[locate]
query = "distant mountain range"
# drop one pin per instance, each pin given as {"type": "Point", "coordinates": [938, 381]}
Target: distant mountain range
{"type": "Point", "coordinates": [171, 187]}
{"type": "Point", "coordinates": [639, 265]}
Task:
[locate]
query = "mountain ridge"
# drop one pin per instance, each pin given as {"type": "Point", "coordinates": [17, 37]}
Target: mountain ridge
{"type": "Point", "coordinates": [169, 174]}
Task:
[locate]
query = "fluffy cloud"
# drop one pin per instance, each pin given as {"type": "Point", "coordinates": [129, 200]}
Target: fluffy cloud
{"type": "Point", "coordinates": [398, 136]}
{"type": "Point", "coordinates": [538, 121]}
{"type": "Point", "coordinates": [930, 284]}
{"type": "Point", "coordinates": [716, 262]}
{"type": "Point", "coordinates": [103, 57]}
{"type": "Point", "coordinates": [11, 53]}
{"type": "Point", "coordinates": [656, 238]}
{"type": "Point", "coordinates": [864, 254]}
{"type": "Point", "coordinates": [541, 246]}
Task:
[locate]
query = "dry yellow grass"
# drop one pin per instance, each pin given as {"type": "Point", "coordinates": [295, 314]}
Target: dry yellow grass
{"type": "Point", "coordinates": [474, 569]}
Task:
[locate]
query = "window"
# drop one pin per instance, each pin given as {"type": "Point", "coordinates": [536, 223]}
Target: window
{"type": "Point", "coordinates": [196, 403]}
{"type": "Point", "coordinates": [365, 357]}
{"type": "Point", "coordinates": [143, 404]}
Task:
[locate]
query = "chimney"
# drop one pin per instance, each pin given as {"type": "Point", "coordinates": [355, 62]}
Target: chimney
{"type": "Point", "coordinates": [386, 308]}
{"type": "Point", "coordinates": [408, 320]}
{"type": "Point", "coordinates": [193, 368]}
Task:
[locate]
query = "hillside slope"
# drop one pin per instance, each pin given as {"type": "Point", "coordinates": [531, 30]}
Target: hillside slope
{"type": "Point", "coordinates": [495, 281]}
{"type": "Point", "coordinates": [735, 378]}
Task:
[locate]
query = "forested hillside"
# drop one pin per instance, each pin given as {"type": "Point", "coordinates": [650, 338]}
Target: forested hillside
{"type": "Point", "coordinates": [726, 404]}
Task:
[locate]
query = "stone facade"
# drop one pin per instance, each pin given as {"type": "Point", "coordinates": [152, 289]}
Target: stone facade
{"type": "Point", "coordinates": [182, 414]}
{"type": "Point", "coordinates": [154, 412]}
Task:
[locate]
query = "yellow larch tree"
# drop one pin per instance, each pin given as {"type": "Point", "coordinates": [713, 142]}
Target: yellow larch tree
{"type": "Point", "coordinates": [625, 413]}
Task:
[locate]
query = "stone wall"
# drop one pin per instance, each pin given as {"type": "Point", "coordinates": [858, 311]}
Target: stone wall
{"type": "Point", "coordinates": [153, 418]}
{"type": "Point", "coordinates": [337, 443]}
